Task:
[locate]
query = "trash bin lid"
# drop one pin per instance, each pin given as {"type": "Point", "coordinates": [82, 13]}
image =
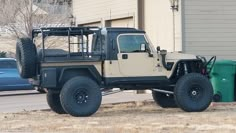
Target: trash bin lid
{"type": "Point", "coordinates": [225, 62]}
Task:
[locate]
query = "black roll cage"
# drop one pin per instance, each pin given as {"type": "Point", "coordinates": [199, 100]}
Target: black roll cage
{"type": "Point", "coordinates": [70, 31]}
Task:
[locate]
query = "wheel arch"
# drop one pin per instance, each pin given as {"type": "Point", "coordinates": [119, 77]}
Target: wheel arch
{"type": "Point", "coordinates": [189, 62]}
{"type": "Point", "coordinates": [87, 71]}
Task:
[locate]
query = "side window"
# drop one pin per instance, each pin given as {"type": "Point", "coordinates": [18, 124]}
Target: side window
{"type": "Point", "coordinates": [132, 43]}
{"type": "Point", "coordinates": [8, 64]}
{"type": "Point", "coordinates": [97, 43]}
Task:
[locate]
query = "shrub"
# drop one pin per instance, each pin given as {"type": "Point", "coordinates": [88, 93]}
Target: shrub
{"type": "Point", "coordinates": [3, 54]}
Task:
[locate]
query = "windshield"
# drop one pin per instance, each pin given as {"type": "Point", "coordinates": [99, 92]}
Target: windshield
{"type": "Point", "coordinates": [150, 43]}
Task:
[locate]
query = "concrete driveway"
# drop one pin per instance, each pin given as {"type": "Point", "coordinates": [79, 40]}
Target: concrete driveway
{"type": "Point", "coordinates": [16, 101]}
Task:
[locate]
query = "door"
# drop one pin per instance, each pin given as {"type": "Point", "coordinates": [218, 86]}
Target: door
{"type": "Point", "coordinates": [134, 56]}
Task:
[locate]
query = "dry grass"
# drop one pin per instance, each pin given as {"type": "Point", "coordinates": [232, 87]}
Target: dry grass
{"type": "Point", "coordinates": [132, 117]}
{"type": "Point", "coordinates": [7, 44]}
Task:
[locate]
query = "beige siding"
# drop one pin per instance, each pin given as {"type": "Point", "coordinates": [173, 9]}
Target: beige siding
{"type": "Point", "coordinates": [126, 22]}
{"type": "Point", "coordinates": [158, 19]}
{"type": "Point", "coordinates": [89, 11]}
{"type": "Point", "coordinates": [210, 28]}
{"type": "Point", "coordinates": [159, 24]}
{"type": "Point", "coordinates": [97, 24]}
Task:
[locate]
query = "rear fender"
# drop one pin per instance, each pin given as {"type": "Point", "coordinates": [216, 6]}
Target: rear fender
{"type": "Point", "coordinates": [88, 71]}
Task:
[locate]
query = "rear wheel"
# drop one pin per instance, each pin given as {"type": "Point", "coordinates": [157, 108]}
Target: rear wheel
{"type": "Point", "coordinates": [81, 96]}
{"type": "Point", "coordinates": [193, 92]}
{"type": "Point", "coordinates": [164, 100]}
{"type": "Point", "coordinates": [53, 99]}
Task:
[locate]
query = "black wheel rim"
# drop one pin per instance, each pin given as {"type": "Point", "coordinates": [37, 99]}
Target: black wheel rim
{"type": "Point", "coordinates": [195, 92]}
{"type": "Point", "coordinates": [81, 97]}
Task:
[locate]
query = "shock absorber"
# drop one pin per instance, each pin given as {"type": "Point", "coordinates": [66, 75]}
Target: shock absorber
{"type": "Point", "coordinates": [178, 70]}
{"type": "Point", "coordinates": [185, 68]}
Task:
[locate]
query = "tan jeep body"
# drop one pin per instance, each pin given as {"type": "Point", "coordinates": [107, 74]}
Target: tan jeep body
{"type": "Point", "coordinates": [100, 59]}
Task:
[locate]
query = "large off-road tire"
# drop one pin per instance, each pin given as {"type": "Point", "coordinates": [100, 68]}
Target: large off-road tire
{"type": "Point", "coordinates": [81, 96]}
{"type": "Point", "coordinates": [164, 100]}
{"type": "Point", "coordinates": [53, 100]}
{"type": "Point", "coordinates": [26, 57]}
{"type": "Point", "coordinates": [193, 92]}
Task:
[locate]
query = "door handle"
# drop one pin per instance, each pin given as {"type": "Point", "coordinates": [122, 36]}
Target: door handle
{"type": "Point", "coordinates": [124, 56]}
{"type": "Point", "coordinates": [1, 72]}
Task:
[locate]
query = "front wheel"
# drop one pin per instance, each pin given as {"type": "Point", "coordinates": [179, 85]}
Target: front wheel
{"type": "Point", "coordinates": [193, 92]}
{"type": "Point", "coordinates": [81, 96]}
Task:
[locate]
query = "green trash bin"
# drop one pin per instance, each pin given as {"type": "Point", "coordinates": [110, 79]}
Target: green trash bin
{"type": "Point", "coordinates": [222, 79]}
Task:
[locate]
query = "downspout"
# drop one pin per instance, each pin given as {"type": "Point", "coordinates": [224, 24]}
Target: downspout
{"type": "Point", "coordinates": [141, 17]}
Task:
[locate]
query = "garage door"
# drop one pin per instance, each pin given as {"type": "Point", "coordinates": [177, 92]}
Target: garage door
{"type": "Point", "coordinates": [210, 28]}
{"type": "Point", "coordinates": [96, 24]}
{"type": "Point", "coordinates": [126, 22]}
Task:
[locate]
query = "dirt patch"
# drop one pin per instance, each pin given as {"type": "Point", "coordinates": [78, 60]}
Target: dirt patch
{"type": "Point", "coordinates": [132, 117]}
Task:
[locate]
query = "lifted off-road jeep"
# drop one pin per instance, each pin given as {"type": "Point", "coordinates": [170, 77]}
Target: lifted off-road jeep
{"type": "Point", "coordinates": [100, 59]}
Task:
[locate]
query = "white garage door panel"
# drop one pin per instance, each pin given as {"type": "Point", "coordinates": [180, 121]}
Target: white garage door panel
{"type": "Point", "coordinates": [210, 44]}
{"type": "Point", "coordinates": [127, 22]}
{"type": "Point", "coordinates": [209, 31]}
{"type": "Point", "coordinates": [217, 26]}
{"type": "Point", "coordinates": [218, 49]}
{"type": "Point", "coordinates": [209, 53]}
{"type": "Point", "coordinates": [210, 28]}
{"type": "Point", "coordinates": [211, 39]}
{"type": "Point", "coordinates": [211, 3]}
{"type": "Point", "coordinates": [207, 35]}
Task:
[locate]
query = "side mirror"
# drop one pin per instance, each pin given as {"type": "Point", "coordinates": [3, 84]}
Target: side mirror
{"type": "Point", "coordinates": [158, 48]}
{"type": "Point", "coordinates": [143, 47]}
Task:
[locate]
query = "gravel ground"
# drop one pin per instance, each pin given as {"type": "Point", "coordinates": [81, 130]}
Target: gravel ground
{"type": "Point", "coordinates": [131, 117]}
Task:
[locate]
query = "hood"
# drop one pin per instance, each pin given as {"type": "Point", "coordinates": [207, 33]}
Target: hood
{"type": "Point", "coordinates": [179, 56]}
